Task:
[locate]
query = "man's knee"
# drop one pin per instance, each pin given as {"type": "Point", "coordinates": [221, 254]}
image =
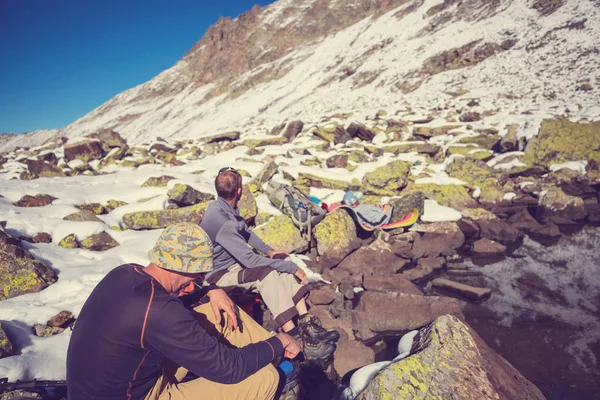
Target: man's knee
{"type": "Point", "coordinates": [267, 381]}
{"type": "Point", "coordinates": [271, 377]}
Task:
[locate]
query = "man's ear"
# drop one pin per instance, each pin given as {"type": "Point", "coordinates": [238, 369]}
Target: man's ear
{"type": "Point", "coordinates": [239, 192]}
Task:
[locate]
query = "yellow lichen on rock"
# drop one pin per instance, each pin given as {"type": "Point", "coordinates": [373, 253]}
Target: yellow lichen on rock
{"type": "Point", "coordinates": [280, 233]}
{"type": "Point", "coordinates": [387, 180]}
{"type": "Point", "coordinates": [454, 196]}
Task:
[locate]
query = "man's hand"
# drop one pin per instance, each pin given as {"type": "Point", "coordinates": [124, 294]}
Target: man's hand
{"type": "Point", "coordinates": [277, 254]}
{"type": "Point", "coordinates": [220, 301]}
{"type": "Point", "coordinates": [301, 275]}
{"type": "Point", "coordinates": [291, 346]}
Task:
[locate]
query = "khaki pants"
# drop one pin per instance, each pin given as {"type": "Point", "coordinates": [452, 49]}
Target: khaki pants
{"type": "Point", "coordinates": [261, 385]}
{"type": "Point", "coordinates": [280, 291]}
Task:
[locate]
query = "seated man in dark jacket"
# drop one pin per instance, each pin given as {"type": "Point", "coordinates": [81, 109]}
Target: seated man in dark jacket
{"type": "Point", "coordinates": [135, 340]}
{"type": "Point", "coordinates": [237, 265]}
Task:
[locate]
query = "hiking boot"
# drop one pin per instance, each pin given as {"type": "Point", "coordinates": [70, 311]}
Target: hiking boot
{"type": "Point", "coordinates": [313, 348]}
{"type": "Point", "coordinates": [311, 326]}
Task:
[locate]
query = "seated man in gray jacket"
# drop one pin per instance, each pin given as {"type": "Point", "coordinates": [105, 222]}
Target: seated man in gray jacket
{"type": "Point", "coordinates": [237, 265]}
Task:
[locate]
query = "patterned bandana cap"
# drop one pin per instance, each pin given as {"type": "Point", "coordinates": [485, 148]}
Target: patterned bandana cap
{"type": "Point", "coordinates": [352, 197]}
{"type": "Point", "coordinates": [183, 247]}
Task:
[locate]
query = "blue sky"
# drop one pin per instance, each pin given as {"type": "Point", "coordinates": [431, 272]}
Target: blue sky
{"type": "Point", "coordinates": [59, 59]}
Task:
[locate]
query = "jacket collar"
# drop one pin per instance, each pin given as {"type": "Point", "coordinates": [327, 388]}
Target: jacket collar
{"type": "Point", "coordinates": [227, 208]}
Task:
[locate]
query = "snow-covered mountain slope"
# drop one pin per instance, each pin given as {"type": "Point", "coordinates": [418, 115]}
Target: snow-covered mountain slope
{"type": "Point", "coordinates": [312, 58]}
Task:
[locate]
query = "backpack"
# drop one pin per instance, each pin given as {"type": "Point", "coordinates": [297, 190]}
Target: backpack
{"type": "Point", "coordinates": [297, 205]}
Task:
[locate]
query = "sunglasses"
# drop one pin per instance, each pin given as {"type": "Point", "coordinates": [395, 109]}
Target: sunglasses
{"type": "Point", "coordinates": [228, 169]}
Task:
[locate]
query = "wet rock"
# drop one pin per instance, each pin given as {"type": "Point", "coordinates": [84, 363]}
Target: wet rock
{"type": "Point", "coordinates": [42, 237]}
{"type": "Point", "coordinates": [85, 151]}
{"type": "Point", "coordinates": [43, 169]}
{"type": "Point", "coordinates": [336, 238]}
{"type": "Point", "coordinates": [387, 180]}
{"type": "Point", "coordinates": [83, 215]}
{"type": "Point", "coordinates": [20, 272]}
{"type": "Point", "coordinates": [468, 292]}
{"type": "Point", "coordinates": [69, 242]}
{"type": "Point", "coordinates": [351, 355]}
{"type": "Point", "coordinates": [39, 200]}
{"type": "Point", "coordinates": [222, 137]}
{"type": "Point", "coordinates": [388, 284]}
{"type": "Point", "coordinates": [402, 312]}
{"type": "Point", "coordinates": [447, 356]}
{"type": "Point", "coordinates": [99, 242]}
{"type": "Point", "coordinates": [281, 234]}
{"type": "Point", "coordinates": [185, 195]}
{"type": "Point", "coordinates": [6, 348]}
{"type": "Point", "coordinates": [356, 130]}
{"type": "Point", "coordinates": [488, 247]}
{"type": "Point", "coordinates": [160, 219]}
{"type": "Point", "coordinates": [293, 129]}
{"type": "Point", "coordinates": [337, 161]}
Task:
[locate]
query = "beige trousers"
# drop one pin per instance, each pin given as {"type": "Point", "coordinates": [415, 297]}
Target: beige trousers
{"type": "Point", "coordinates": [262, 385]}
{"type": "Point", "coordinates": [280, 291]}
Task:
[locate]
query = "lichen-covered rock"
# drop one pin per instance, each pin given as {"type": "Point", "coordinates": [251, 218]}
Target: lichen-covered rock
{"type": "Point", "coordinates": [270, 141]}
{"type": "Point", "coordinates": [308, 180]}
{"type": "Point", "coordinates": [83, 215]}
{"type": "Point", "coordinates": [470, 116]}
{"type": "Point", "coordinates": [337, 161]}
{"type": "Point", "coordinates": [336, 238]}
{"type": "Point", "coordinates": [266, 173]}
{"type": "Point", "coordinates": [509, 140]}
{"type": "Point", "coordinates": [39, 200]}
{"type": "Point", "coordinates": [42, 237]}
{"type": "Point", "coordinates": [421, 148]}
{"type": "Point", "coordinates": [109, 137]}
{"type": "Point", "coordinates": [45, 330]}
{"type": "Point", "coordinates": [112, 204]}
{"type": "Point", "coordinates": [556, 203]}
{"type": "Point", "coordinates": [454, 196]}
{"type": "Point", "coordinates": [85, 151]}
{"type": "Point", "coordinates": [99, 242]}
{"type": "Point", "coordinates": [69, 242]}
{"type": "Point", "coordinates": [483, 140]}
{"type": "Point", "coordinates": [387, 180]}
{"type": "Point", "coordinates": [560, 140]}
{"type": "Point", "coordinates": [359, 131]}
{"type": "Point", "coordinates": [43, 168]}
{"type": "Point", "coordinates": [478, 174]}
{"type": "Point", "coordinates": [160, 219]}
{"type": "Point", "coordinates": [96, 208]}
{"type": "Point", "coordinates": [222, 137]}
{"type": "Point", "coordinates": [20, 272]}
{"type": "Point", "coordinates": [471, 152]}
{"type": "Point", "coordinates": [429, 132]}
{"type": "Point", "coordinates": [447, 356]}
{"type": "Point", "coordinates": [185, 195]}
{"type": "Point", "coordinates": [281, 234]}
{"type": "Point", "coordinates": [6, 348]}
{"type": "Point", "coordinates": [158, 181]}
{"type": "Point", "coordinates": [293, 129]}
{"type": "Point", "coordinates": [247, 204]}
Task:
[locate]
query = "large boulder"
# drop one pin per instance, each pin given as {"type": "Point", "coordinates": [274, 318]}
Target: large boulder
{"type": "Point", "coordinates": [185, 195]}
{"type": "Point", "coordinates": [387, 180]}
{"type": "Point", "coordinates": [222, 137]}
{"type": "Point", "coordinates": [554, 202]}
{"type": "Point", "coordinates": [448, 357]}
{"type": "Point", "coordinates": [109, 138]}
{"type": "Point", "coordinates": [336, 238]}
{"type": "Point", "coordinates": [293, 129]}
{"type": "Point", "coordinates": [454, 196]}
{"type": "Point", "coordinates": [560, 140]}
{"type": "Point", "coordinates": [478, 174]}
{"type": "Point", "coordinates": [6, 348]}
{"type": "Point", "coordinates": [439, 238]}
{"type": "Point", "coordinates": [429, 132]}
{"type": "Point", "coordinates": [377, 259]}
{"type": "Point", "coordinates": [393, 313]}
{"type": "Point", "coordinates": [247, 204]}
{"type": "Point", "coordinates": [281, 234]}
{"type": "Point", "coordinates": [359, 131]}
{"type": "Point", "coordinates": [389, 284]}
{"type": "Point", "coordinates": [351, 355]}
{"type": "Point", "coordinates": [44, 169]}
{"type": "Point", "coordinates": [39, 200]}
{"type": "Point", "coordinates": [99, 242]}
{"type": "Point", "coordinates": [160, 219]}
{"type": "Point", "coordinates": [266, 173]}
{"type": "Point", "coordinates": [20, 272]}
{"type": "Point", "coordinates": [85, 151]}
{"type": "Point", "coordinates": [83, 215]}
{"type": "Point", "coordinates": [268, 141]}
{"type": "Point", "coordinates": [499, 231]}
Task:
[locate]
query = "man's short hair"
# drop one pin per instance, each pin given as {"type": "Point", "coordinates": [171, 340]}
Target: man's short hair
{"type": "Point", "coordinates": [227, 183]}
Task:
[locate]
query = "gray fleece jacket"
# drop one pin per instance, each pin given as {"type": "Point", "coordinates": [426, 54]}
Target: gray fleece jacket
{"type": "Point", "coordinates": [231, 236]}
